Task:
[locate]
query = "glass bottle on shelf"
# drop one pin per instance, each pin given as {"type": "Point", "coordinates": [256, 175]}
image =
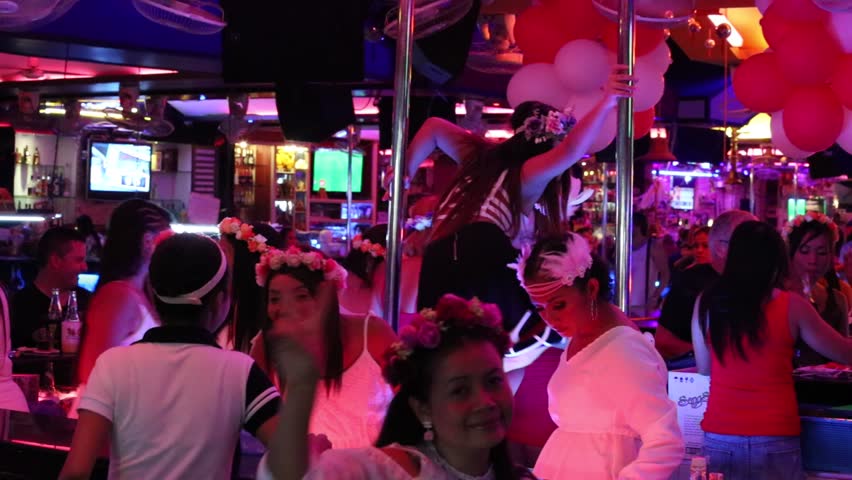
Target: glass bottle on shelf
{"type": "Point", "coordinates": [17, 155]}
{"type": "Point", "coordinates": [71, 326]}
{"type": "Point", "coordinates": [250, 157]}
{"type": "Point", "coordinates": [26, 154]}
{"type": "Point", "coordinates": [36, 157]}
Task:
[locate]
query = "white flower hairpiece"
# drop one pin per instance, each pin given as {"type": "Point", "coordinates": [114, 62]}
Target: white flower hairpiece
{"type": "Point", "coordinates": [243, 231]}
{"type": "Point", "coordinates": [419, 223]}
{"type": "Point", "coordinates": [294, 257]}
{"type": "Point", "coordinates": [812, 217]}
{"type": "Point", "coordinates": [563, 267]}
{"type": "Point", "coordinates": [540, 128]}
{"type": "Point", "coordinates": [375, 250]}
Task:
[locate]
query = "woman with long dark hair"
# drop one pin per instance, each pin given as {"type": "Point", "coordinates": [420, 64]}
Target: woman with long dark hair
{"type": "Point", "coordinates": [811, 239]}
{"type": "Point", "coordinates": [744, 328]}
{"type": "Point", "coordinates": [448, 419]}
{"type": "Point", "coordinates": [497, 187]}
{"type": "Point", "coordinates": [608, 395]}
{"type": "Point", "coordinates": [121, 311]}
{"type": "Point", "coordinates": [347, 349]}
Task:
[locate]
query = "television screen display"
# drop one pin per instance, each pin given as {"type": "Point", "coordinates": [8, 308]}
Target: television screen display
{"type": "Point", "coordinates": [683, 198]}
{"type": "Point", "coordinates": [330, 170]}
{"type": "Point", "coordinates": [119, 169]}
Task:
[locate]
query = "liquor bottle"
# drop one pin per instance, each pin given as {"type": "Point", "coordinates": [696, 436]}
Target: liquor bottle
{"type": "Point", "coordinates": [26, 158]}
{"type": "Point", "coordinates": [71, 326]}
{"type": "Point", "coordinates": [54, 317]}
{"type": "Point", "coordinates": [36, 157]}
{"type": "Point", "coordinates": [17, 155]}
{"type": "Point", "coordinates": [250, 157]}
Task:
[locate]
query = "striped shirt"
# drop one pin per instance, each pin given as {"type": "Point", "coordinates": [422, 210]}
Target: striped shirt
{"type": "Point", "coordinates": [495, 209]}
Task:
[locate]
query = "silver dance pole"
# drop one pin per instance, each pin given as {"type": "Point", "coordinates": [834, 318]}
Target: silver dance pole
{"type": "Point", "coordinates": [751, 206]}
{"type": "Point", "coordinates": [605, 209]}
{"type": "Point", "coordinates": [624, 161]}
{"type": "Point", "coordinates": [350, 135]}
{"type": "Point", "coordinates": [401, 100]}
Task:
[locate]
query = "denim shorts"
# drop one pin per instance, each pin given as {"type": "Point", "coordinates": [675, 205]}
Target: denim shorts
{"type": "Point", "coordinates": [754, 458]}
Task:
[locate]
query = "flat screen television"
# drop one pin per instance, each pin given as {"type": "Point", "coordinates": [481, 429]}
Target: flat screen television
{"type": "Point", "coordinates": [683, 198]}
{"type": "Point", "coordinates": [119, 170]}
{"type": "Point", "coordinates": [330, 170]}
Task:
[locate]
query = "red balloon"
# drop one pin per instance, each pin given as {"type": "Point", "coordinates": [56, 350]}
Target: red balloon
{"type": "Point", "coordinates": [580, 18]}
{"type": "Point", "coordinates": [759, 84]}
{"type": "Point", "coordinates": [539, 34]}
{"type": "Point", "coordinates": [808, 55]}
{"type": "Point", "coordinates": [841, 82]}
{"type": "Point", "coordinates": [800, 10]}
{"type": "Point", "coordinates": [642, 123]}
{"type": "Point", "coordinates": [647, 39]}
{"type": "Point", "coordinates": [813, 118]}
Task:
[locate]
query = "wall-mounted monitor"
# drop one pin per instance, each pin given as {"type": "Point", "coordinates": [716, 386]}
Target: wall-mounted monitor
{"type": "Point", "coordinates": [119, 170]}
{"type": "Point", "coordinates": [330, 170]}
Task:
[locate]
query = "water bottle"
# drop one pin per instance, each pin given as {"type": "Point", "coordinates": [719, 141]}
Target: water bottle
{"type": "Point", "coordinates": [698, 468]}
{"type": "Point", "coordinates": [54, 317]}
{"type": "Point", "coordinates": [71, 326]}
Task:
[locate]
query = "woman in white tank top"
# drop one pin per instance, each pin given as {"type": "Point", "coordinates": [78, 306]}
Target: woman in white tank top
{"type": "Point", "coordinates": [11, 397]}
{"type": "Point", "coordinates": [301, 288]}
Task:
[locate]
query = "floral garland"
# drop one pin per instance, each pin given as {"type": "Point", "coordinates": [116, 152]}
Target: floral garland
{"type": "Point", "coordinates": [451, 312]}
{"type": "Point", "coordinates": [540, 128]}
{"type": "Point", "coordinates": [376, 250]}
{"type": "Point", "coordinates": [274, 259]}
{"type": "Point", "coordinates": [812, 217]}
{"type": "Point", "coordinates": [419, 223]}
{"type": "Point", "coordinates": [243, 231]}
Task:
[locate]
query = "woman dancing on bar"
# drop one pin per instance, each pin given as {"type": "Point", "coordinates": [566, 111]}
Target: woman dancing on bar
{"type": "Point", "coordinates": [498, 186]}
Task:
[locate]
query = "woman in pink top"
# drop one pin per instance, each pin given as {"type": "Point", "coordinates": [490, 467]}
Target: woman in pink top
{"type": "Point", "coordinates": [752, 424]}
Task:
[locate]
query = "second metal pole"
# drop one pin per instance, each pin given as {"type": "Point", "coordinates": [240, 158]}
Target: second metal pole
{"type": "Point", "coordinates": [350, 130]}
{"type": "Point", "coordinates": [624, 161]}
{"type": "Point", "coordinates": [401, 101]}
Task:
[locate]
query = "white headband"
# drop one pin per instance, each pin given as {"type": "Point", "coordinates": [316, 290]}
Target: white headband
{"type": "Point", "coordinates": [194, 298]}
{"type": "Point", "coordinates": [563, 267]}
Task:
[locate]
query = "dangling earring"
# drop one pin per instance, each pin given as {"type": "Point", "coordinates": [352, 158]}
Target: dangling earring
{"type": "Point", "coordinates": [594, 310]}
{"type": "Point", "coordinates": [428, 435]}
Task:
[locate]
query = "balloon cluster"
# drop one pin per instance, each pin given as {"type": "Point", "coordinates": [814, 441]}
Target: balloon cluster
{"type": "Point", "coordinates": [569, 51]}
{"type": "Point", "coordinates": [804, 80]}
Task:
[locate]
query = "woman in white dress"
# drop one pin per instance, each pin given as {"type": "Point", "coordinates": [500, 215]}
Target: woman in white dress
{"type": "Point", "coordinates": [447, 421]}
{"type": "Point", "coordinates": [608, 394]}
{"type": "Point", "coordinates": [11, 397]}
{"type": "Point", "coordinates": [348, 349]}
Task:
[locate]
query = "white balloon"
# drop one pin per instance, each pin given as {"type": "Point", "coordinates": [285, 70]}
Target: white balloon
{"type": "Point", "coordinates": [840, 26]}
{"type": "Point", "coordinates": [780, 140]}
{"type": "Point", "coordinates": [845, 138]}
{"type": "Point", "coordinates": [650, 86]}
{"type": "Point", "coordinates": [537, 82]}
{"type": "Point", "coordinates": [583, 65]}
{"type": "Point", "coordinates": [660, 58]}
{"type": "Point", "coordinates": [762, 5]}
{"type": "Point", "coordinates": [583, 103]}
{"type": "Point", "coordinates": [606, 134]}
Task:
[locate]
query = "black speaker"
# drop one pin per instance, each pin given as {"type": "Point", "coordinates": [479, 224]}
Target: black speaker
{"type": "Point", "coordinates": [833, 162]}
{"type": "Point", "coordinates": [420, 109]}
{"type": "Point", "coordinates": [441, 57]}
{"type": "Point", "coordinates": [272, 40]}
{"type": "Point", "coordinates": [313, 112]}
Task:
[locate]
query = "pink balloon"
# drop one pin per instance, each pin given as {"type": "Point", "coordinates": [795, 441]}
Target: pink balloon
{"type": "Point", "coordinates": [650, 86]}
{"type": "Point", "coordinates": [606, 134]}
{"type": "Point", "coordinates": [840, 26]}
{"type": "Point", "coordinates": [583, 65]}
{"type": "Point", "coordinates": [780, 140]}
{"type": "Point", "coordinates": [660, 58]}
{"type": "Point", "coordinates": [762, 5]}
{"type": "Point", "coordinates": [537, 82]}
{"type": "Point", "coordinates": [583, 103]}
{"type": "Point", "coordinates": [845, 138]}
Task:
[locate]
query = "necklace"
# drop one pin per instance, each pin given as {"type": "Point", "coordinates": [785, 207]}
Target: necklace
{"type": "Point", "coordinates": [433, 454]}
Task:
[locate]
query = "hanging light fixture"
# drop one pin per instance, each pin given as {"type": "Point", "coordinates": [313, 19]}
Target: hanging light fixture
{"type": "Point", "coordinates": [659, 151]}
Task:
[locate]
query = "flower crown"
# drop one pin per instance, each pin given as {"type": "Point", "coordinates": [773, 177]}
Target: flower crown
{"type": "Point", "coordinates": [243, 231]}
{"type": "Point", "coordinates": [427, 329]}
{"type": "Point", "coordinates": [554, 125]}
{"type": "Point", "coordinates": [419, 223]}
{"type": "Point", "coordinates": [812, 217]}
{"type": "Point", "coordinates": [563, 267]}
{"type": "Point", "coordinates": [376, 250]}
{"type": "Point", "coordinates": [274, 259]}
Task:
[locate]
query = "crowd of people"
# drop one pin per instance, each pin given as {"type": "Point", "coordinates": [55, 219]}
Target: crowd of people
{"type": "Point", "coordinates": [509, 315]}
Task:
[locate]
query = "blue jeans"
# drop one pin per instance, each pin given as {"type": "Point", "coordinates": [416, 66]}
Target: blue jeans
{"type": "Point", "coordinates": [754, 458]}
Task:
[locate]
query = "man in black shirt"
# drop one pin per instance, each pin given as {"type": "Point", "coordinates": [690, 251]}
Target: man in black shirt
{"type": "Point", "coordinates": [673, 338]}
{"type": "Point", "coordinates": [61, 256]}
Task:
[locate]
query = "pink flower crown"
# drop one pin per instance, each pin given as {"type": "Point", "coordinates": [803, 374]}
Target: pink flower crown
{"type": "Point", "coordinates": [243, 231]}
{"type": "Point", "coordinates": [419, 223]}
{"type": "Point", "coordinates": [540, 128]}
{"type": "Point", "coordinates": [274, 259]}
{"type": "Point", "coordinates": [427, 328]}
{"type": "Point", "coordinates": [812, 217]}
{"type": "Point", "coordinates": [376, 250]}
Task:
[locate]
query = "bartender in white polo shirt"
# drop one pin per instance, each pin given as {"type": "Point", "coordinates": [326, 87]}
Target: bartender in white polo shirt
{"type": "Point", "coordinates": [173, 404]}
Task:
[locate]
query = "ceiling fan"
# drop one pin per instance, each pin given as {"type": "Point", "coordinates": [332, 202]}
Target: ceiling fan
{"type": "Point", "coordinates": [32, 71]}
{"type": "Point", "coordinates": [18, 15]}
